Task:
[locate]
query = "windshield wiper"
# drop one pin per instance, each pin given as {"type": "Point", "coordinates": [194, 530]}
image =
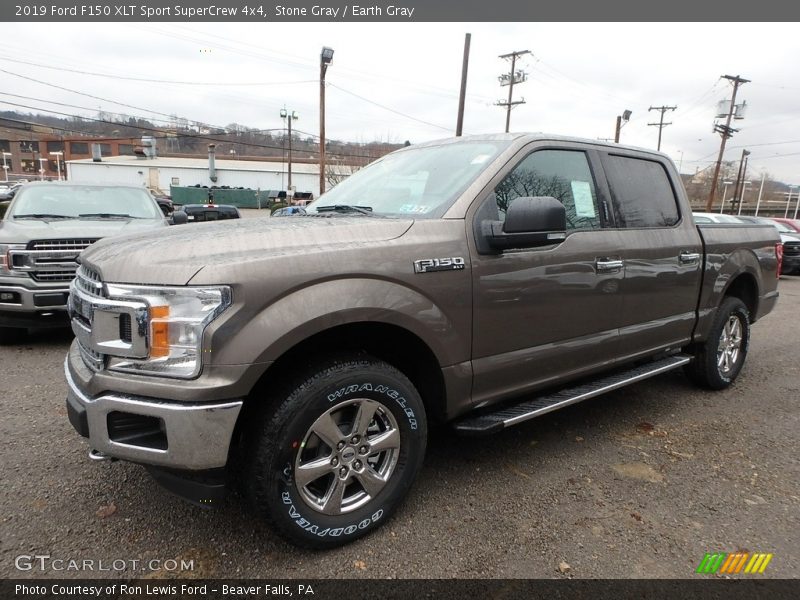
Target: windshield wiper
{"type": "Point", "coordinates": [43, 216]}
{"type": "Point", "coordinates": [345, 208]}
{"type": "Point", "coordinates": [108, 216]}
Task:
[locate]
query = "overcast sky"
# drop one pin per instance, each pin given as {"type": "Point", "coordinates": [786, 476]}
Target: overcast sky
{"type": "Point", "coordinates": [400, 82]}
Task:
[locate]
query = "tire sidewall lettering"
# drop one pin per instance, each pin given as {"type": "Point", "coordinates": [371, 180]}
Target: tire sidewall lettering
{"type": "Point", "coordinates": [395, 396]}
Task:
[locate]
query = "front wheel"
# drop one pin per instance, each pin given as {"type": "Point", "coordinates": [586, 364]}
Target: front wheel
{"type": "Point", "coordinates": [339, 453]}
{"type": "Point", "coordinates": [719, 360]}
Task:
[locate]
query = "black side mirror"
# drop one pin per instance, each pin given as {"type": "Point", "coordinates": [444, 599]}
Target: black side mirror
{"type": "Point", "coordinates": [179, 217]}
{"type": "Point", "coordinates": [530, 222]}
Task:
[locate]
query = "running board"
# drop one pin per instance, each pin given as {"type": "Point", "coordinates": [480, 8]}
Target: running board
{"type": "Point", "coordinates": [493, 422]}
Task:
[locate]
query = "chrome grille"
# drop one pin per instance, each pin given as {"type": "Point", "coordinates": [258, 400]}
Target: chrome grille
{"type": "Point", "coordinates": [791, 248]}
{"type": "Point", "coordinates": [49, 260]}
{"type": "Point", "coordinates": [88, 281]}
{"type": "Point", "coordinates": [78, 244]}
{"type": "Point", "coordinates": [91, 359]}
{"type": "Point", "coordinates": [53, 275]}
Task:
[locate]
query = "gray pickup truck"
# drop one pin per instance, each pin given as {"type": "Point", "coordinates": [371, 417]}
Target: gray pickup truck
{"type": "Point", "coordinates": [477, 281]}
{"type": "Point", "coordinates": [44, 229]}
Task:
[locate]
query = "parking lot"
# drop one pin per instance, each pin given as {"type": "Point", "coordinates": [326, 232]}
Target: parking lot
{"type": "Point", "coordinates": [639, 483]}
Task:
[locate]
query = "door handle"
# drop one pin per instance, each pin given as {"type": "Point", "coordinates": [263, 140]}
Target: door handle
{"type": "Point", "coordinates": [688, 258]}
{"type": "Point", "coordinates": [608, 265]}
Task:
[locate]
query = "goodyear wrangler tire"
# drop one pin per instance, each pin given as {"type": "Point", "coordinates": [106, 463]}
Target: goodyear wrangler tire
{"type": "Point", "coordinates": [719, 360]}
{"type": "Point", "coordinates": [338, 454]}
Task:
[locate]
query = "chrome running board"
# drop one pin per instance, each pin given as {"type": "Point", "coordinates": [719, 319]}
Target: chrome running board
{"type": "Point", "coordinates": [492, 422]}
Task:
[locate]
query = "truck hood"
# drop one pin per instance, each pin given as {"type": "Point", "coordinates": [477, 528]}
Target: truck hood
{"type": "Point", "coordinates": [24, 231]}
{"type": "Point", "coordinates": [175, 255]}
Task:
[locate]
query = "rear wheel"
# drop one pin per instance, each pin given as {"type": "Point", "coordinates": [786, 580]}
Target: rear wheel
{"type": "Point", "coordinates": [719, 360]}
{"type": "Point", "coordinates": [339, 453]}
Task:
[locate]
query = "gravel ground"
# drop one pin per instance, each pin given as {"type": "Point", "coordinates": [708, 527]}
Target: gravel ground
{"type": "Point", "coordinates": [638, 483]}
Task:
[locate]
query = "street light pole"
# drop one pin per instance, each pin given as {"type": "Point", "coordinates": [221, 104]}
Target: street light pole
{"type": "Point", "coordinates": [5, 164]}
{"type": "Point", "coordinates": [58, 154]}
{"type": "Point", "coordinates": [289, 116]}
{"type": "Point", "coordinates": [741, 198]}
{"type": "Point", "coordinates": [724, 193]}
{"type": "Point", "coordinates": [325, 58]}
{"type": "Point", "coordinates": [789, 199]}
{"type": "Point", "coordinates": [41, 168]}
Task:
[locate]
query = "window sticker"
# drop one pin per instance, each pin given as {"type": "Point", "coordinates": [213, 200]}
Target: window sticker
{"type": "Point", "coordinates": [584, 204]}
{"type": "Point", "coordinates": [419, 209]}
{"type": "Point", "coordinates": [480, 159]}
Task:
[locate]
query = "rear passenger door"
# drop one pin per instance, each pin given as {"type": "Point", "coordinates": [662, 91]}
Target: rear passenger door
{"type": "Point", "coordinates": [661, 251]}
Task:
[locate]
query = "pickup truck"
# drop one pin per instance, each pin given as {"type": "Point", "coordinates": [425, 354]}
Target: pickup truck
{"type": "Point", "coordinates": [477, 281]}
{"type": "Point", "coordinates": [44, 229]}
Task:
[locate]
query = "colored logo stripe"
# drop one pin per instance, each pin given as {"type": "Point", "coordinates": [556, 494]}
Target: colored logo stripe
{"type": "Point", "coordinates": [734, 563]}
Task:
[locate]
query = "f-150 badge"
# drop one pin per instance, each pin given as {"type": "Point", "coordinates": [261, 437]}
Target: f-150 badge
{"type": "Point", "coordinates": [429, 265]}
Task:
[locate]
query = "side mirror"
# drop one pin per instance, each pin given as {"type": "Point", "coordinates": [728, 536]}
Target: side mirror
{"type": "Point", "coordinates": [179, 217]}
{"type": "Point", "coordinates": [530, 222]}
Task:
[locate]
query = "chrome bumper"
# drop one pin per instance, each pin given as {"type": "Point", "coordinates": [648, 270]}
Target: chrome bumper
{"type": "Point", "coordinates": [198, 435]}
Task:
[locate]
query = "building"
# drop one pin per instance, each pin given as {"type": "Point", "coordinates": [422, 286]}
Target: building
{"type": "Point", "coordinates": [35, 152]}
{"type": "Point", "coordinates": [159, 173]}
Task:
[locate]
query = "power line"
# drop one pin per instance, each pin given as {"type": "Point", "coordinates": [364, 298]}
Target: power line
{"type": "Point", "coordinates": [383, 106]}
{"type": "Point", "coordinates": [147, 80]}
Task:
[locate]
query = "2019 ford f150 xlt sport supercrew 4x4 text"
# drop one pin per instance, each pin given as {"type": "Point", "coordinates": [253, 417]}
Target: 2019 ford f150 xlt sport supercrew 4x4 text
{"type": "Point", "coordinates": [478, 281]}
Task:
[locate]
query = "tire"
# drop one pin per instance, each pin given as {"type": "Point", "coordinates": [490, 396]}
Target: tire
{"type": "Point", "coordinates": [11, 335]}
{"type": "Point", "coordinates": [312, 469]}
{"type": "Point", "coordinates": [718, 361]}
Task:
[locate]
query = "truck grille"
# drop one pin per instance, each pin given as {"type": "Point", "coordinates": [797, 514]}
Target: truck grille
{"type": "Point", "coordinates": [791, 248]}
{"type": "Point", "coordinates": [50, 260]}
{"type": "Point", "coordinates": [105, 326]}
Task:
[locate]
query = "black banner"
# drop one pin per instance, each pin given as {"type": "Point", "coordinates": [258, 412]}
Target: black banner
{"type": "Point", "coordinates": [401, 11]}
{"type": "Point", "coordinates": [369, 589]}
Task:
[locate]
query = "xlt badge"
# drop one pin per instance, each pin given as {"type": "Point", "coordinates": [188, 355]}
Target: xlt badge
{"type": "Point", "coordinates": [429, 265]}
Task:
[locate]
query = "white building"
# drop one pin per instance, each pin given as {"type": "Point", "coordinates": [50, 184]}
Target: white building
{"type": "Point", "coordinates": [161, 172]}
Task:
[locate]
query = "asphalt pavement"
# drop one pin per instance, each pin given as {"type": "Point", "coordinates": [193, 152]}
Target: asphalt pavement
{"type": "Point", "coordinates": [641, 482]}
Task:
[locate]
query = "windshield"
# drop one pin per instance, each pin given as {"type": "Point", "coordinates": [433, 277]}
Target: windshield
{"type": "Point", "coordinates": [84, 201]}
{"type": "Point", "coordinates": [420, 182]}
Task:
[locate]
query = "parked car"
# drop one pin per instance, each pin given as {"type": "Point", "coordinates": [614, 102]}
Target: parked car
{"type": "Point", "coordinates": [44, 230]}
{"type": "Point", "coordinates": [199, 213]}
{"type": "Point", "coordinates": [288, 211]}
{"type": "Point", "coordinates": [793, 224]}
{"type": "Point", "coordinates": [790, 240]}
{"type": "Point", "coordinates": [705, 217]}
{"type": "Point", "coordinates": [513, 275]}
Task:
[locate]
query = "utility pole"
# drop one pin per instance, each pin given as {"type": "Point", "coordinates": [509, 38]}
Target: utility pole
{"type": "Point", "coordinates": [725, 131]}
{"type": "Point", "coordinates": [325, 58]}
{"type": "Point", "coordinates": [509, 79]}
{"type": "Point", "coordinates": [463, 93]}
{"type": "Point", "coordinates": [660, 123]}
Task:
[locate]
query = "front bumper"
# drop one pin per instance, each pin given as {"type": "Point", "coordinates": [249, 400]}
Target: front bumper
{"type": "Point", "coordinates": [24, 306]}
{"type": "Point", "coordinates": [185, 436]}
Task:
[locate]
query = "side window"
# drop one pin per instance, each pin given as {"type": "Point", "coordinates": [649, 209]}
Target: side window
{"type": "Point", "coordinates": [643, 195]}
{"type": "Point", "coordinates": [562, 174]}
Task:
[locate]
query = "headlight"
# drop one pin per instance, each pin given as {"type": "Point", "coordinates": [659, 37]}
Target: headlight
{"type": "Point", "coordinates": [6, 265]}
{"type": "Point", "coordinates": [177, 318]}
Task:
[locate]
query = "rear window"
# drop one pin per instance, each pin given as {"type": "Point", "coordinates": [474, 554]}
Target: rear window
{"type": "Point", "coordinates": [643, 195]}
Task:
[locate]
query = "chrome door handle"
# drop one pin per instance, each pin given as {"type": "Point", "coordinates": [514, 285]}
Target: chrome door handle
{"type": "Point", "coordinates": [688, 258]}
{"type": "Point", "coordinates": [607, 265]}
